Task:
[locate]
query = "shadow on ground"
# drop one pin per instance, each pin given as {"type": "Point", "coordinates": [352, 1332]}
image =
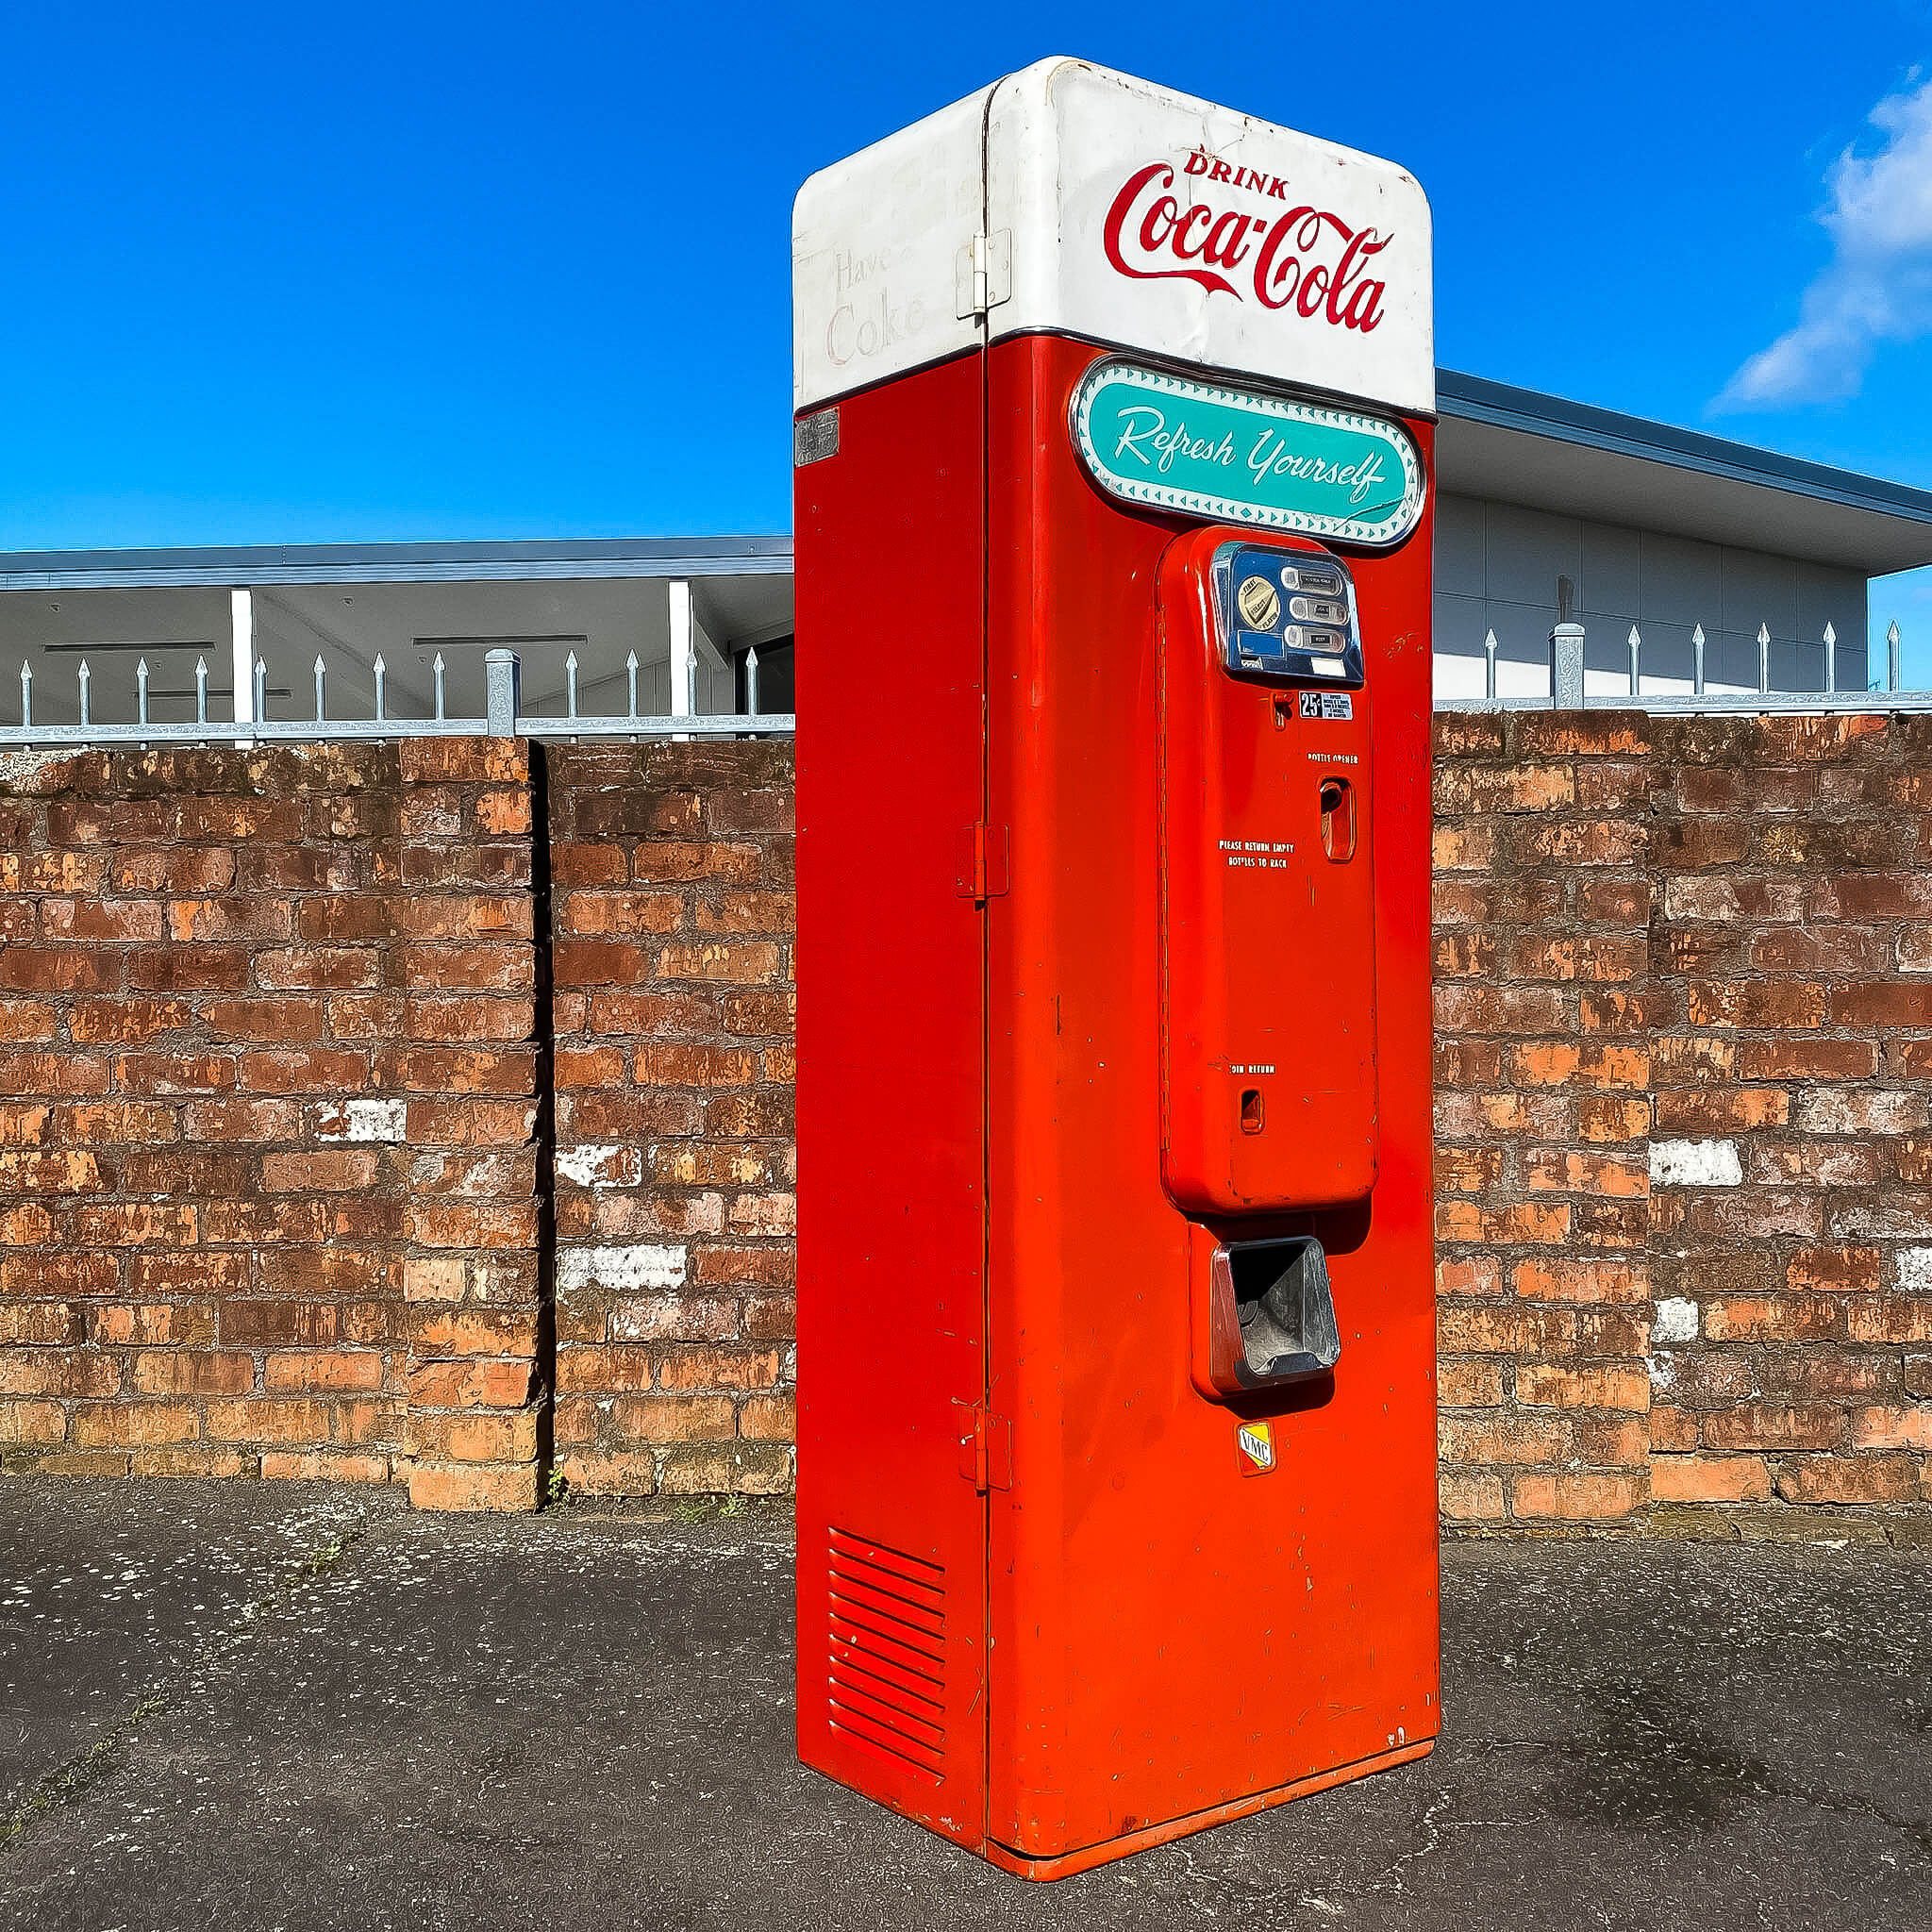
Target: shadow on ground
{"type": "Point", "coordinates": [242, 1705]}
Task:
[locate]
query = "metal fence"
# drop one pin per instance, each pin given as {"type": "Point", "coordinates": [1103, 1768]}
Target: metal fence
{"type": "Point", "coordinates": [503, 716]}
{"type": "Point", "coordinates": [1566, 685]}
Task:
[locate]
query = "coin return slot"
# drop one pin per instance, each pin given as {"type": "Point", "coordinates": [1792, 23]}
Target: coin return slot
{"type": "Point", "coordinates": [1252, 1113]}
{"type": "Point", "coordinates": [1338, 819]}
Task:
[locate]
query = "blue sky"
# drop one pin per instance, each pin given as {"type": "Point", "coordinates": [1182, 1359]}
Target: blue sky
{"type": "Point", "coordinates": [325, 275]}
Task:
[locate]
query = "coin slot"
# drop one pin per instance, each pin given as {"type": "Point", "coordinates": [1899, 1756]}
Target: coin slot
{"type": "Point", "coordinates": [1252, 1112]}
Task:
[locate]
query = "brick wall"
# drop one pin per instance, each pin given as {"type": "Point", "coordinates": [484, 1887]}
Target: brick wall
{"type": "Point", "coordinates": [266, 1105]}
{"type": "Point", "coordinates": [350, 1125]}
{"type": "Point", "coordinates": [673, 916]}
{"type": "Point", "coordinates": [1684, 1012]}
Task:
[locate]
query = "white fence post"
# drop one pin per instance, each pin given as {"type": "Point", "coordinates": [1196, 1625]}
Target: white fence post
{"type": "Point", "coordinates": [241, 659]}
{"type": "Point", "coordinates": [1566, 667]}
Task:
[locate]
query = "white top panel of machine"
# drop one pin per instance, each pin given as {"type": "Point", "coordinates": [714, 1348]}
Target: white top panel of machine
{"type": "Point", "coordinates": [1105, 208]}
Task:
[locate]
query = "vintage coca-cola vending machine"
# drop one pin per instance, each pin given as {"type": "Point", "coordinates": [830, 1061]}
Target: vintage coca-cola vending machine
{"type": "Point", "coordinates": [1116, 1492]}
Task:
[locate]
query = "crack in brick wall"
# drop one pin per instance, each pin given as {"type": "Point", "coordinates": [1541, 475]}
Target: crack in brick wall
{"type": "Point", "coordinates": [674, 921]}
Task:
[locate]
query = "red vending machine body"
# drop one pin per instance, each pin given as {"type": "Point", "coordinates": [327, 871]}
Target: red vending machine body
{"type": "Point", "coordinates": [1116, 1512]}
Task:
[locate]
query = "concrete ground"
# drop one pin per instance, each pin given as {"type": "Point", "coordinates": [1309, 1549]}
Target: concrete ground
{"type": "Point", "coordinates": [256, 1705]}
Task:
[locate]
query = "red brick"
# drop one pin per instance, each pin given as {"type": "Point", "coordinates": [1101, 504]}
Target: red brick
{"type": "Point", "coordinates": [1499, 1009]}
{"type": "Point", "coordinates": [475, 1332]}
{"type": "Point", "coordinates": [717, 1368]}
{"type": "Point", "coordinates": [283, 1021]}
{"type": "Point", "coordinates": [334, 1169]}
{"type": "Point", "coordinates": [319, 969]}
{"type": "Point", "coordinates": [472, 1487]}
{"type": "Point", "coordinates": [1499, 1436]}
{"type": "Point", "coordinates": [1530, 1223]}
{"type": "Point", "coordinates": [741, 962]}
{"type": "Point", "coordinates": [1882, 1005]}
{"type": "Point", "coordinates": [1464, 1497]}
{"type": "Point", "coordinates": [1588, 1386]}
{"type": "Point", "coordinates": [1890, 1318]}
{"type": "Point", "coordinates": [32, 1422]}
{"type": "Point", "coordinates": [1845, 1479]}
{"type": "Point", "coordinates": [1553, 1169]}
{"type": "Point", "coordinates": [323, 1465]}
{"type": "Point", "coordinates": [1709, 1480]}
{"type": "Point", "coordinates": [183, 1372]}
{"type": "Point", "coordinates": [1770, 1318]}
{"type": "Point", "coordinates": [1766, 1426]}
{"type": "Point", "coordinates": [237, 821]}
{"type": "Point", "coordinates": [315, 1070]}
{"type": "Point", "coordinates": [123, 1425]}
{"type": "Point", "coordinates": [1757, 1006]}
{"type": "Point", "coordinates": [1715, 1111]}
{"type": "Point", "coordinates": [191, 969]}
{"type": "Point", "coordinates": [1559, 1064]}
{"type": "Point", "coordinates": [1580, 1281]}
{"type": "Point", "coordinates": [264, 1419]}
{"type": "Point", "coordinates": [24, 1076]}
{"type": "Point", "coordinates": [1581, 1498]}
{"type": "Point", "coordinates": [1853, 1268]}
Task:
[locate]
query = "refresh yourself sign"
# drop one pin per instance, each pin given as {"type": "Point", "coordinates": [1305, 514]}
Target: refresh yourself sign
{"type": "Point", "coordinates": [1206, 450]}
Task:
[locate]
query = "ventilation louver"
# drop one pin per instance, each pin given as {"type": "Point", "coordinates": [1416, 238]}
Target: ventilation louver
{"type": "Point", "coordinates": [887, 1630]}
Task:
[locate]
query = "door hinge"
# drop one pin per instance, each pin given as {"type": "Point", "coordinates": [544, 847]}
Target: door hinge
{"type": "Point", "coordinates": [986, 1446]}
{"type": "Point", "coordinates": [983, 861]}
{"type": "Point", "coordinates": [983, 270]}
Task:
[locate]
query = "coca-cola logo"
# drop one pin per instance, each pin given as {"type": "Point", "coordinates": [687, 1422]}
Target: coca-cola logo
{"type": "Point", "coordinates": [1304, 259]}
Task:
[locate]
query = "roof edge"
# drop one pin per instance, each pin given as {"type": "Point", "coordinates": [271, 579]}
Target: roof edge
{"type": "Point", "coordinates": [1477, 399]}
{"type": "Point", "coordinates": [428, 563]}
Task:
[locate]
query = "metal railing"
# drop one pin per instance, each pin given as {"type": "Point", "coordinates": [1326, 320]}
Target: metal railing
{"type": "Point", "coordinates": [1567, 687]}
{"type": "Point", "coordinates": [503, 715]}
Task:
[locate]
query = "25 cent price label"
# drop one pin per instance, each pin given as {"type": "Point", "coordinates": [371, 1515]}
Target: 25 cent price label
{"type": "Point", "coordinates": [1327, 703]}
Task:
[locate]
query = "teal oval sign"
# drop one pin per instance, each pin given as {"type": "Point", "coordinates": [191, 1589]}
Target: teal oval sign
{"type": "Point", "coordinates": [1220, 453]}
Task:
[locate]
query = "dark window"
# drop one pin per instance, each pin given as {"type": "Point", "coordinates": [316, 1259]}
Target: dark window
{"type": "Point", "coordinates": [774, 678]}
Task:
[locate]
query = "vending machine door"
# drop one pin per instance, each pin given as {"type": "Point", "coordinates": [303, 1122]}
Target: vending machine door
{"type": "Point", "coordinates": [1268, 955]}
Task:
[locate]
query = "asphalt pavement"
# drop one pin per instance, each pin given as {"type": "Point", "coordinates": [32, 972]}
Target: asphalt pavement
{"type": "Point", "coordinates": [253, 1705]}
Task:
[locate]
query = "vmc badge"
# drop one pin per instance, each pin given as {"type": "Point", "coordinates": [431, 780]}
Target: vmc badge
{"type": "Point", "coordinates": [1255, 1443]}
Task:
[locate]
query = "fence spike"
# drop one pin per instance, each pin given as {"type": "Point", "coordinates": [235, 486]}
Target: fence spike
{"type": "Point", "coordinates": [1636, 670]}
{"type": "Point", "coordinates": [1697, 660]}
{"type": "Point", "coordinates": [1490, 667]}
{"type": "Point", "coordinates": [87, 705]}
{"type": "Point", "coordinates": [201, 690]}
{"type": "Point", "coordinates": [381, 671]}
{"type": "Point", "coordinates": [1764, 656]}
{"type": "Point", "coordinates": [1891, 655]}
{"type": "Point", "coordinates": [751, 681]}
{"type": "Point", "coordinates": [570, 685]}
{"type": "Point", "coordinates": [27, 696]}
{"type": "Point", "coordinates": [141, 691]}
{"type": "Point", "coordinates": [630, 678]}
{"type": "Point", "coordinates": [437, 667]}
{"type": "Point", "coordinates": [1830, 656]}
{"type": "Point", "coordinates": [321, 708]}
{"type": "Point", "coordinates": [260, 689]}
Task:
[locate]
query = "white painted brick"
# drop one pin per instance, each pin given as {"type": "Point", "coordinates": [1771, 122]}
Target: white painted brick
{"type": "Point", "coordinates": [364, 1120]}
{"type": "Point", "coordinates": [650, 1265]}
{"type": "Point", "coordinates": [591, 1166]}
{"type": "Point", "coordinates": [1695, 1164]}
{"type": "Point", "coordinates": [1699, 898]}
{"type": "Point", "coordinates": [1915, 1270]}
{"type": "Point", "coordinates": [1675, 1321]}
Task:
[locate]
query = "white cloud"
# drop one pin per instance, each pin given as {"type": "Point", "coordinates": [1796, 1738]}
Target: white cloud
{"type": "Point", "coordinates": [1878, 286]}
